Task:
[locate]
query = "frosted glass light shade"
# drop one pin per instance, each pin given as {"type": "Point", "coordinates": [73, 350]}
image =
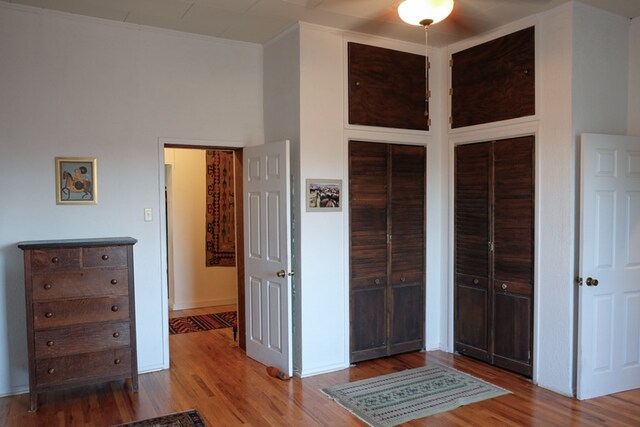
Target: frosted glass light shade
{"type": "Point", "coordinates": [417, 12]}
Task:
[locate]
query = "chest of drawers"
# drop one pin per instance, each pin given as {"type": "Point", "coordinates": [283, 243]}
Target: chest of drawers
{"type": "Point", "coordinates": [80, 313]}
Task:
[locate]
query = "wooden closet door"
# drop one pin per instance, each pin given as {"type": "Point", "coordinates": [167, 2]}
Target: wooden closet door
{"type": "Point", "coordinates": [513, 220]}
{"type": "Point", "coordinates": [407, 248]}
{"type": "Point", "coordinates": [368, 171]}
{"type": "Point", "coordinates": [387, 249]}
{"type": "Point", "coordinates": [472, 289]}
{"type": "Point", "coordinates": [494, 237]}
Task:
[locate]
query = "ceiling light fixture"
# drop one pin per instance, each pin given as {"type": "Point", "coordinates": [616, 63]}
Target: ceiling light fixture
{"type": "Point", "coordinates": [425, 13]}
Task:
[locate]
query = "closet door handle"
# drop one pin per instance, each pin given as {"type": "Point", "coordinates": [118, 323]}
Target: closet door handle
{"type": "Point", "coordinates": [377, 281]}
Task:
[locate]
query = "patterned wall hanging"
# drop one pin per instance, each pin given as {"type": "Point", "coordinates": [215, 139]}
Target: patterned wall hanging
{"type": "Point", "coordinates": [221, 230]}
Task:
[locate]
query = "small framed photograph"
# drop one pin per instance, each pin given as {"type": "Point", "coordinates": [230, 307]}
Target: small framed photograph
{"type": "Point", "coordinates": [324, 195]}
{"type": "Point", "coordinates": [76, 181]}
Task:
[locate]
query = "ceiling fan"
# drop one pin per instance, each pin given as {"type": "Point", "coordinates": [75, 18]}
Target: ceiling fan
{"type": "Point", "coordinates": [467, 17]}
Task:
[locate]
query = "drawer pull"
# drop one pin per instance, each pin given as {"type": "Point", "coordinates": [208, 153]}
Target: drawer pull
{"type": "Point", "coordinates": [116, 362]}
{"type": "Point", "coordinates": [476, 281]}
{"type": "Point", "coordinates": [50, 371]}
{"type": "Point", "coordinates": [116, 334]}
{"type": "Point", "coordinates": [402, 279]}
{"type": "Point", "coordinates": [105, 257]}
{"type": "Point", "coordinates": [47, 286]}
{"type": "Point", "coordinates": [115, 308]}
{"type": "Point", "coordinates": [49, 343]}
{"type": "Point", "coordinates": [114, 282]}
{"type": "Point", "coordinates": [504, 286]}
{"type": "Point", "coordinates": [48, 315]}
{"type": "Point", "coordinates": [55, 260]}
{"type": "Point", "coordinates": [376, 281]}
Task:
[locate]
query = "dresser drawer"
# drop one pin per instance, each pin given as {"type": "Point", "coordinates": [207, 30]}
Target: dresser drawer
{"type": "Point", "coordinates": [55, 259]}
{"type": "Point", "coordinates": [85, 283]}
{"type": "Point", "coordinates": [80, 338]}
{"type": "Point", "coordinates": [104, 257]}
{"type": "Point", "coordinates": [83, 367]}
{"type": "Point", "coordinates": [52, 314]}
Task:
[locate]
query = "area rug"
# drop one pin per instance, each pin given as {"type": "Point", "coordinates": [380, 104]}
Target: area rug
{"type": "Point", "coordinates": [220, 215]}
{"type": "Point", "coordinates": [180, 419]}
{"type": "Point", "coordinates": [203, 322]}
{"type": "Point", "coordinates": [396, 398]}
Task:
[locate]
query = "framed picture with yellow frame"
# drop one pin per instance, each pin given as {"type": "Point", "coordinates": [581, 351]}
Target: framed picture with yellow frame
{"type": "Point", "coordinates": [76, 181]}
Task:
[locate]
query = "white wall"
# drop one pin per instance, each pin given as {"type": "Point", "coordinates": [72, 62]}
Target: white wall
{"type": "Point", "coordinates": [322, 262]}
{"type": "Point", "coordinates": [324, 253]}
{"type": "Point", "coordinates": [282, 121]}
{"type": "Point", "coordinates": [77, 86]}
{"type": "Point", "coordinates": [555, 158]}
{"type": "Point", "coordinates": [194, 283]}
{"type": "Point", "coordinates": [633, 122]}
{"type": "Point", "coordinates": [600, 71]}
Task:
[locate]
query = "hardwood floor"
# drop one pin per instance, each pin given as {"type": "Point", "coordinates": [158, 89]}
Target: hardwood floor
{"type": "Point", "coordinates": [211, 374]}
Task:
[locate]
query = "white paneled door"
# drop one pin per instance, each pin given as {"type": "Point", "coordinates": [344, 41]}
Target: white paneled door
{"type": "Point", "coordinates": [267, 220]}
{"type": "Point", "coordinates": [609, 293]}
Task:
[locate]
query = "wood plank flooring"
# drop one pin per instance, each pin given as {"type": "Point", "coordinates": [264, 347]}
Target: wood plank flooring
{"type": "Point", "coordinates": [211, 374]}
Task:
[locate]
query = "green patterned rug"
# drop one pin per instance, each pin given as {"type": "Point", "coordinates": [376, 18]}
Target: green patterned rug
{"type": "Point", "coordinates": [393, 399]}
{"type": "Point", "coordinates": [190, 418]}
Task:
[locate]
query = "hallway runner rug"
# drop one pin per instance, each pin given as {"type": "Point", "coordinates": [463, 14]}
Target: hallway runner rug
{"type": "Point", "coordinates": [190, 418]}
{"type": "Point", "coordinates": [389, 400]}
{"type": "Point", "coordinates": [203, 322]}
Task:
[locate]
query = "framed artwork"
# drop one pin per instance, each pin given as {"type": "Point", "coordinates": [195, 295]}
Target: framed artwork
{"type": "Point", "coordinates": [76, 181]}
{"type": "Point", "coordinates": [324, 195]}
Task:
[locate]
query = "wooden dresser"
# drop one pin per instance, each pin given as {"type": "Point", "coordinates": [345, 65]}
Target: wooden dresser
{"type": "Point", "coordinates": [80, 313]}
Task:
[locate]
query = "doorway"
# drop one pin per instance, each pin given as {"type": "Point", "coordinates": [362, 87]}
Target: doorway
{"type": "Point", "coordinates": [197, 280]}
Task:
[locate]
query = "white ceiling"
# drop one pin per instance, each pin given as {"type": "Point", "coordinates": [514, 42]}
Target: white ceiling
{"type": "Point", "coordinates": [258, 21]}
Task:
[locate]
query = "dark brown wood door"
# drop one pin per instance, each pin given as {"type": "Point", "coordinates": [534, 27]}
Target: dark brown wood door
{"type": "Point", "coordinates": [407, 248]}
{"type": "Point", "coordinates": [513, 225]}
{"type": "Point", "coordinates": [494, 228]}
{"type": "Point", "coordinates": [368, 188]}
{"type": "Point", "coordinates": [387, 240]}
{"type": "Point", "coordinates": [472, 237]}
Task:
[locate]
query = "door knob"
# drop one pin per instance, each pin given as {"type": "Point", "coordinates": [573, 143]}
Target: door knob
{"type": "Point", "coordinates": [283, 274]}
{"type": "Point", "coordinates": [591, 282]}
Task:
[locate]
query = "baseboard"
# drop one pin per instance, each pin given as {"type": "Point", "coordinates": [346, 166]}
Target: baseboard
{"type": "Point", "coordinates": [14, 391]}
{"type": "Point", "coordinates": [321, 370]}
{"type": "Point", "coordinates": [199, 304]}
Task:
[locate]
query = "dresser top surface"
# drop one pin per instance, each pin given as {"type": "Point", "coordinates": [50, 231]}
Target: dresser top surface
{"type": "Point", "coordinates": [105, 241]}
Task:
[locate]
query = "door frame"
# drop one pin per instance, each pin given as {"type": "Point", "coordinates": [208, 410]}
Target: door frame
{"type": "Point", "coordinates": [237, 147]}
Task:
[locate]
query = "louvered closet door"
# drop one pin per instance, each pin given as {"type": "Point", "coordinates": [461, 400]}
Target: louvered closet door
{"type": "Point", "coordinates": [368, 170]}
{"type": "Point", "coordinates": [387, 249]}
{"type": "Point", "coordinates": [472, 237]}
{"type": "Point", "coordinates": [407, 217]}
{"type": "Point", "coordinates": [494, 229]}
{"type": "Point", "coordinates": [513, 256]}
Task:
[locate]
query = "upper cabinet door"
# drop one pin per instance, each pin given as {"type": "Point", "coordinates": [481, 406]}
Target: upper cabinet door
{"type": "Point", "coordinates": [494, 81]}
{"type": "Point", "coordinates": [387, 88]}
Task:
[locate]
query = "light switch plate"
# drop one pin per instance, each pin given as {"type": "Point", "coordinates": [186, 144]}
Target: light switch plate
{"type": "Point", "coordinates": [148, 214]}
